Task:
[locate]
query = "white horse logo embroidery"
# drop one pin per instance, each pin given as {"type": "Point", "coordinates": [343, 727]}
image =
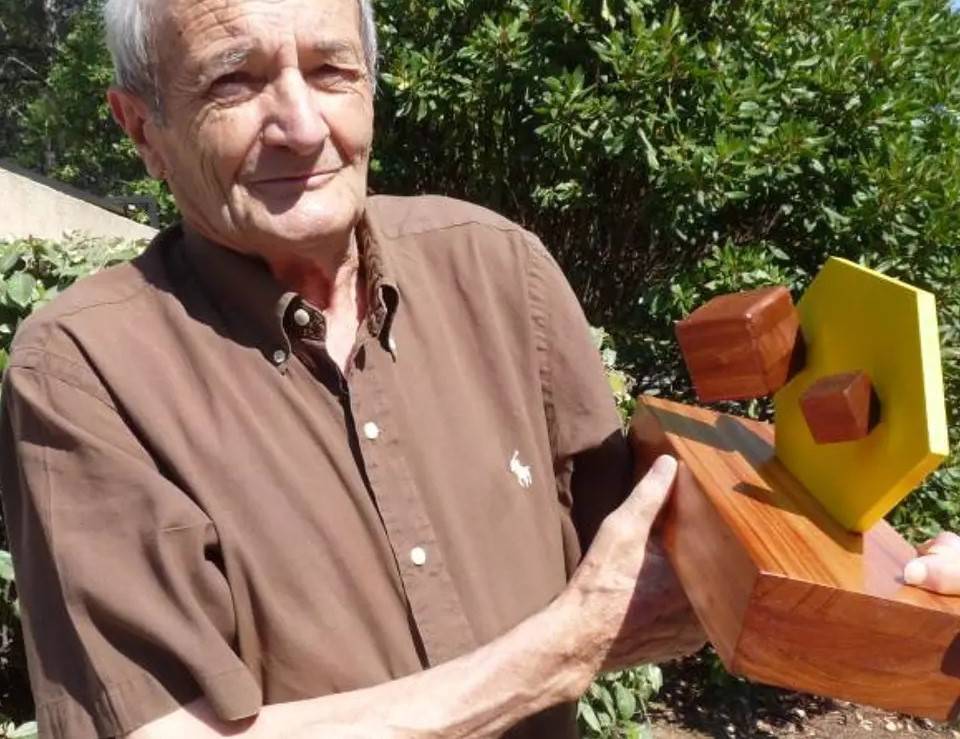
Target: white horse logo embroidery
{"type": "Point", "coordinates": [521, 471]}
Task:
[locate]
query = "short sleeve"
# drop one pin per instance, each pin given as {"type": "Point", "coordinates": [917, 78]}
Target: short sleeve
{"type": "Point", "coordinates": [126, 610]}
{"type": "Point", "coordinates": [592, 458]}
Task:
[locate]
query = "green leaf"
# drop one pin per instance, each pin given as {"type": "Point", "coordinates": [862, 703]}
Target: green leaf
{"type": "Point", "coordinates": [655, 678]}
{"type": "Point", "coordinates": [607, 15]}
{"type": "Point", "coordinates": [590, 716]}
{"type": "Point", "coordinates": [835, 217]}
{"type": "Point", "coordinates": [618, 383]}
{"type": "Point", "coordinates": [610, 710]}
{"type": "Point", "coordinates": [6, 566]}
{"type": "Point", "coordinates": [20, 288]}
{"type": "Point", "coordinates": [779, 253]}
{"type": "Point", "coordinates": [25, 731]}
{"type": "Point", "coordinates": [10, 258]}
{"type": "Point", "coordinates": [626, 701]}
{"type": "Point", "coordinates": [652, 161]}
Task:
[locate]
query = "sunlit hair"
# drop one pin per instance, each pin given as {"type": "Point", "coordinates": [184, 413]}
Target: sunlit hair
{"type": "Point", "coordinates": [131, 40]}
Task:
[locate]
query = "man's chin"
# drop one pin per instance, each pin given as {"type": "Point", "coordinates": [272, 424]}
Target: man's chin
{"type": "Point", "coordinates": [303, 228]}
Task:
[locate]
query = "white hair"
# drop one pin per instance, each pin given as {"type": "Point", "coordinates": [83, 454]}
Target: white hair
{"type": "Point", "coordinates": [132, 44]}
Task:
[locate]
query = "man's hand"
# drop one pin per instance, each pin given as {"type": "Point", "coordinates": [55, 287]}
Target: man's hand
{"type": "Point", "coordinates": [628, 598]}
{"type": "Point", "coordinates": [623, 607]}
{"type": "Point", "coordinates": [938, 566]}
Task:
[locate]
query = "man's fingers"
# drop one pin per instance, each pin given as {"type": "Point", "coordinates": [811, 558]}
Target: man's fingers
{"type": "Point", "coordinates": [653, 490]}
{"type": "Point", "coordinates": [939, 573]}
{"type": "Point", "coordinates": [940, 543]}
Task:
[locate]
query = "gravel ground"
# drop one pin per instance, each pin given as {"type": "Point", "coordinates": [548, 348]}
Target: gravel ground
{"type": "Point", "coordinates": [699, 700]}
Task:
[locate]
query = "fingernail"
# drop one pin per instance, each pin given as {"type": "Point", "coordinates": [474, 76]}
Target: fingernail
{"type": "Point", "coordinates": [666, 463]}
{"type": "Point", "coordinates": [915, 573]}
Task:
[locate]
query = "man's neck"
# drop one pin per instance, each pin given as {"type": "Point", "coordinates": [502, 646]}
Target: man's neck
{"type": "Point", "coordinates": [337, 286]}
{"type": "Point", "coordinates": [329, 282]}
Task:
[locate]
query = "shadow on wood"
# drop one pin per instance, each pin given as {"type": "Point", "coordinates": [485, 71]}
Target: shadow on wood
{"type": "Point", "coordinates": [788, 596]}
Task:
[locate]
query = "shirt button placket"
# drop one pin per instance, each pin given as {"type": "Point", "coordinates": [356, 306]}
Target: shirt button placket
{"type": "Point", "coordinates": [435, 606]}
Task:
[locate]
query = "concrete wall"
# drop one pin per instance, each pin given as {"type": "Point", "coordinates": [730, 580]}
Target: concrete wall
{"type": "Point", "coordinates": [33, 206]}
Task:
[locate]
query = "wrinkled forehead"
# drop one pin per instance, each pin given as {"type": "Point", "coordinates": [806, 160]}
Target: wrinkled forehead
{"type": "Point", "coordinates": [190, 33]}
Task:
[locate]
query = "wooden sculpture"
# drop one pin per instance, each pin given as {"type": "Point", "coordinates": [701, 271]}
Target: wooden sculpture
{"type": "Point", "coordinates": [765, 529]}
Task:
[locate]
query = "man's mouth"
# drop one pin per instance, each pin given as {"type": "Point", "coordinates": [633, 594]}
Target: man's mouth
{"type": "Point", "coordinates": [302, 181]}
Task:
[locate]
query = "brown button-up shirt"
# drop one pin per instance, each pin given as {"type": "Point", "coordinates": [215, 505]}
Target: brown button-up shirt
{"type": "Point", "coordinates": [200, 502]}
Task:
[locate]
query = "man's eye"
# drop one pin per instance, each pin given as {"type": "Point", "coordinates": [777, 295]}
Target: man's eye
{"type": "Point", "coordinates": [325, 69]}
{"type": "Point", "coordinates": [235, 84]}
{"type": "Point", "coordinates": [331, 74]}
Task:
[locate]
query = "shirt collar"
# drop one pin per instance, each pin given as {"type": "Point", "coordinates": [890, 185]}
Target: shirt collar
{"type": "Point", "coordinates": [249, 295]}
{"type": "Point", "coordinates": [383, 296]}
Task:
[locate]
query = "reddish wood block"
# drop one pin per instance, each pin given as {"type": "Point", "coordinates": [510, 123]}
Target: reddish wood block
{"type": "Point", "coordinates": [840, 408]}
{"type": "Point", "coordinates": [786, 595]}
{"type": "Point", "coordinates": [743, 345]}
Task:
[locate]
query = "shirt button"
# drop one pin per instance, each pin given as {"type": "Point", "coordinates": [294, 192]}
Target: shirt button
{"type": "Point", "coordinates": [418, 555]}
{"type": "Point", "coordinates": [301, 318]}
{"type": "Point", "coordinates": [392, 343]}
{"type": "Point", "coordinates": [279, 356]}
{"type": "Point", "coordinates": [371, 431]}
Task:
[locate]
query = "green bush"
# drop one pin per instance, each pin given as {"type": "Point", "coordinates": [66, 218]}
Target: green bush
{"type": "Point", "coordinates": [615, 706]}
{"type": "Point", "coordinates": [636, 136]}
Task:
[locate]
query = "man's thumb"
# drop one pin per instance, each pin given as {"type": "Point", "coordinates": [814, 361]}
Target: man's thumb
{"type": "Point", "coordinates": [650, 494]}
{"type": "Point", "coordinates": [937, 572]}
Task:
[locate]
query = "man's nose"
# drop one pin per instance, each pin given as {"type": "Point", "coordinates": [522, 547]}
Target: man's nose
{"type": "Point", "coordinates": [296, 120]}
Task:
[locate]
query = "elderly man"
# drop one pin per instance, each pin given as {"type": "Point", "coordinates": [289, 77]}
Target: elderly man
{"type": "Point", "coordinates": [316, 464]}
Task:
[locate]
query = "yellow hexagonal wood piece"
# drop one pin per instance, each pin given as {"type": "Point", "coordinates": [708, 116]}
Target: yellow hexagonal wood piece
{"type": "Point", "coordinates": [856, 319]}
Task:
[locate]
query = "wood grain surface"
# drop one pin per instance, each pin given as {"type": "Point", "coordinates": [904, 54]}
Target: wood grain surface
{"type": "Point", "coordinates": [786, 595]}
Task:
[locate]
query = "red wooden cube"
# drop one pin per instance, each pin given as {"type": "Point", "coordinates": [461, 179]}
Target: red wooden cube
{"type": "Point", "coordinates": [742, 345]}
{"type": "Point", "coordinates": [840, 408]}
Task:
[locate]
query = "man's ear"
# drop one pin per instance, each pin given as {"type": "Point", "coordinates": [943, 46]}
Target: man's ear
{"type": "Point", "coordinates": [136, 119]}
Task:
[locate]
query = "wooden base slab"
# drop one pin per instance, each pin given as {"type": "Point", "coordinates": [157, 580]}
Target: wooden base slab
{"type": "Point", "coordinates": [786, 595]}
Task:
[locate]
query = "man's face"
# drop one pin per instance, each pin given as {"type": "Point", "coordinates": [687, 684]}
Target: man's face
{"type": "Point", "coordinates": [267, 120]}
